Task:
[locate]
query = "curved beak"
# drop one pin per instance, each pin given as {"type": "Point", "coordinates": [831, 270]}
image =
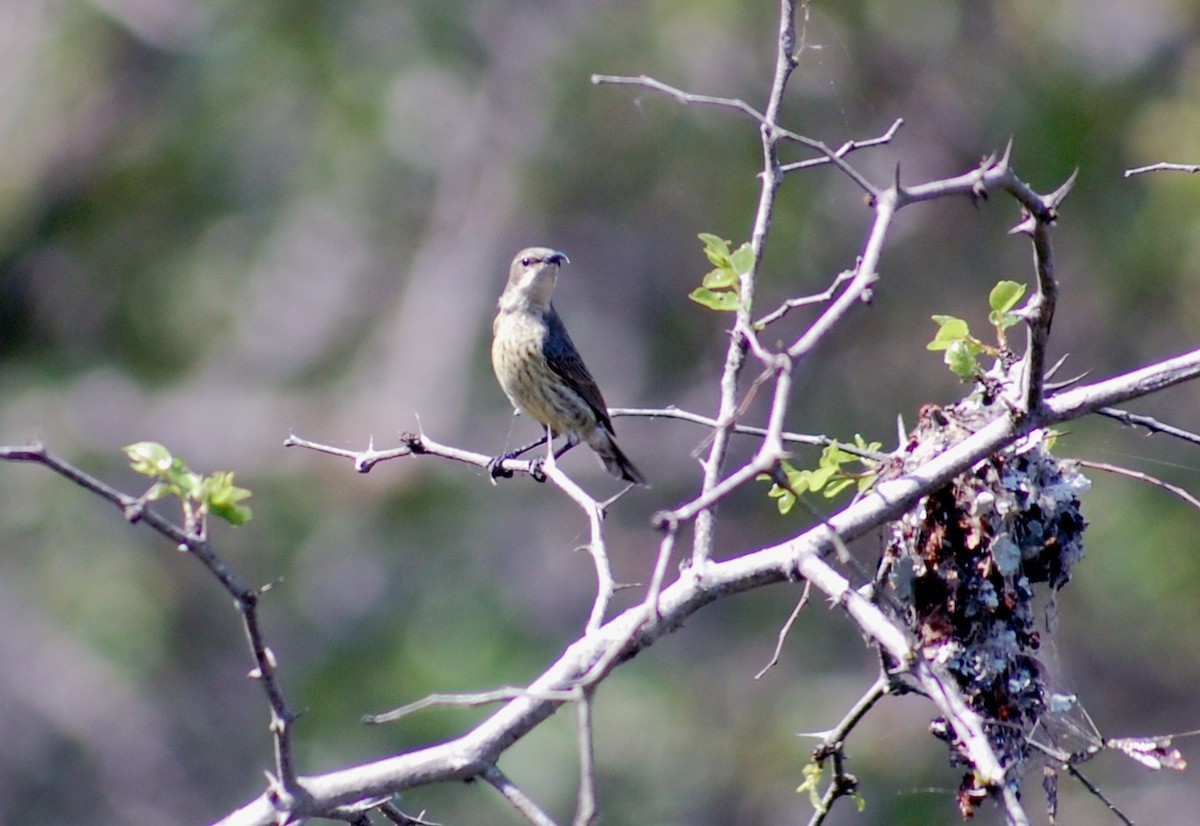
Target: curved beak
{"type": "Point", "coordinates": [557, 257]}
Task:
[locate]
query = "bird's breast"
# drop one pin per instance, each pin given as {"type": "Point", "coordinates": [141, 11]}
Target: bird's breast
{"type": "Point", "coordinates": [519, 359]}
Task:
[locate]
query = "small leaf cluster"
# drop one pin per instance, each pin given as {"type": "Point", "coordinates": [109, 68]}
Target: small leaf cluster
{"type": "Point", "coordinates": [721, 288]}
{"type": "Point", "coordinates": [200, 495]}
{"type": "Point", "coordinates": [829, 478]}
{"type": "Point", "coordinates": [962, 349]}
{"type": "Point", "coordinates": [813, 773]}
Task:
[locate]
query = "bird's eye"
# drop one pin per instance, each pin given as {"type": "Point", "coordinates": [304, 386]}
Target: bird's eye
{"type": "Point", "coordinates": [527, 262]}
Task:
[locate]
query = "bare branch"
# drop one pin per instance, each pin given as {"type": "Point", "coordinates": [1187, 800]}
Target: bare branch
{"type": "Point", "coordinates": [865, 276]}
{"type": "Point", "coordinates": [1099, 795]}
{"type": "Point", "coordinates": [393, 814]}
{"type": "Point", "coordinates": [684, 415]}
{"type": "Point", "coordinates": [1164, 166]}
{"type": "Point", "coordinates": [471, 700]}
{"type": "Point", "coordinates": [803, 301]}
{"type": "Point", "coordinates": [1142, 477]}
{"type": "Point", "coordinates": [586, 812]}
{"type": "Point", "coordinates": [1039, 311]}
{"type": "Point", "coordinates": [845, 149]}
{"type": "Point", "coordinates": [1151, 424]}
{"type": "Point", "coordinates": [767, 121]}
{"type": "Point", "coordinates": [605, 585]}
{"type": "Point", "coordinates": [284, 787]}
{"type": "Point", "coordinates": [519, 800]}
{"type": "Point", "coordinates": [783, 632]}
{"type": "Point", "coordinates": [832, 739]}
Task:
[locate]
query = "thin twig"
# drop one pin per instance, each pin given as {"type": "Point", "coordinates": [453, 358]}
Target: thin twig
{"type": "Point", "coordinates": [1151, 424]}
{"type": "Point", "coordinates": [414, 444]}
{"type": "Point", "coordinates": [1039, 311]}
{"type": "Point", "coordinates": [520, 801]}
{"type": "Point", "coordinates": [1095, 790]}
{"type": "Point", "coordinates": [803, 301]}
{"type": "Point", "coordinates": [783, 632]}
{"type": "Point", "coordinates": [767, 121]}
{"type": "Point", "coordinates": [673, 412]}
{"type": "Point", "coordinates": [865, 276]}
{"type": "Point", "coordinates": [1164, 166]}
{"type": "Point", "coordinates": [665, 547]}
{"type": "Point", "coordinates": [392, 813]}
{"type": "Point", "coordinates": [597, 548]}
{"type": "Point", "coordinates": [585, 807]}
{"type": "Point", "coordinates": [469, 700]}
{"type": "Point", "coordinates": [845, 149]}
{"type": "Point", "coordinates": [1141, 477]}
{"type": "Point", "coordinates": [285, 786]}
{"type": "Point", "coordinates": [832, 740]}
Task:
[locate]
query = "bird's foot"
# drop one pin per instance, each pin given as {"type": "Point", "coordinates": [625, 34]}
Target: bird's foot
{"type": "Point", "coordinates": [496, 469]}
{"type": "Point", "coordinates": [536, 470]}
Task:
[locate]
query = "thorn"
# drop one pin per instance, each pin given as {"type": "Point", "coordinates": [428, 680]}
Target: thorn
{"type": "Point", "coordinates": [1026, 227]}
{"type": "Point", "coordinates": [1059, 195]}
{"type": "Point", "coordinates": [1006, 158]}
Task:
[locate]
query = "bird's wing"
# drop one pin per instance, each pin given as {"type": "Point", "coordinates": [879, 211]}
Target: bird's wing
{"type": "Point", "coordinates": [565, 360]}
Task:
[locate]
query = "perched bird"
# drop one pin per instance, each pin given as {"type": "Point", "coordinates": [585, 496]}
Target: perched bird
{"type": "Point", "coordinates": [540, 370]}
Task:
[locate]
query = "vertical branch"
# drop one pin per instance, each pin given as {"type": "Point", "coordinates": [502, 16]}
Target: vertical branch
{"type": "Point", "coordinates": [585, 809]}
{"type": "Point", "coordinates": [1039, 311]}
{"type": "Point", "coordinates": [771, 179]}
{"type": "Point", "coordinates": [605, 585]}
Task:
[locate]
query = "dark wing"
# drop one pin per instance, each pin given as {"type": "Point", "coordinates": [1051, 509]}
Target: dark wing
{"type": "Point", "coordinates": [565, 360]}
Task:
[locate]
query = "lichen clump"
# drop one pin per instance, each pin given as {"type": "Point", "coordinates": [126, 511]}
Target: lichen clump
{"type": "Point", "coordinates": [962, 567]}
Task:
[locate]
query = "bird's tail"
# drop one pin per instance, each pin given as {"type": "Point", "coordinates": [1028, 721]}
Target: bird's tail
{"type": "Point", "coordinates": [615, 461]}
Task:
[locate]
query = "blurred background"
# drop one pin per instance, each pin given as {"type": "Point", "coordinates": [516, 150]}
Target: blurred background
{"type": "Point", "coordinates": [223, 221]}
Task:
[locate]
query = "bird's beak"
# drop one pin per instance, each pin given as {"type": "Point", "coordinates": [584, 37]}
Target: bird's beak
{"type": "Point", "coordinates": [557, 258]}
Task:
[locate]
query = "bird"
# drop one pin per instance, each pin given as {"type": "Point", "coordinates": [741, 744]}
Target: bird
{"type": "Point", "coordinates": [541, 371]}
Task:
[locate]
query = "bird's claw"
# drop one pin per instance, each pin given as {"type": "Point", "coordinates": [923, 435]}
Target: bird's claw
{"type": "Point", "coordinates": [496, 469]}
{"type": "Point", "coordinates": [536, 470]}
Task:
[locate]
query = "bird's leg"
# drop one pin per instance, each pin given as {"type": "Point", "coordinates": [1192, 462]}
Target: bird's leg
{"type": "Point", "coordinates": [536, 471]}
{"type": "Point", "coordinates": [498, 472]}
{"type": "Point", "coordinates": [572, 440]}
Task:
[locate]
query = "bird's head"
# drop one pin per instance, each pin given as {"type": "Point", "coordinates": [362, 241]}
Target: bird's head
{"type": "Point", "coordinates": [532, 275]}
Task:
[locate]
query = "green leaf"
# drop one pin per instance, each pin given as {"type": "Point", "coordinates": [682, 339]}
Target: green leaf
{"type": "Point", "coordinates": [149, 459]}
{"type": "Point", "coordinates": [716, 248]}
{"type": "Point", "coordinates": [721, 279]}
{"type": "Point", "coordinates": [811, 784]}
{"type": "Point", "coordinates": [726, 301]}
{"type": "Point", "coordinates": [1005, 295]}
{"type": "Point", "coordinates": [963, 359]}
{"type": "Point", "coordinates": [215, 494]}
{"type": "Point", "coordinates": [786, 501]}
{"type": "Point", "coordinates": [743, 259]}
{"type": "Point", "coordinates": [837, 486]}
{"type": "Point", "coordinates": [818, 478]}
{"type": "Point", "coordinates": [950, 330]}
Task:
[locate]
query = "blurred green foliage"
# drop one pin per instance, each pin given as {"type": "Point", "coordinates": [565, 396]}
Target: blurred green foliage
{"type": "Point", "coordinates": [219, 221]}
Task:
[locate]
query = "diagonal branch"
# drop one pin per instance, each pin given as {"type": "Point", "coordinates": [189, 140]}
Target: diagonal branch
{"type": "Point", "coordinates": [636, 629]}
{"type": "Point", "coordinates": [284, 787]}
{"type": "Point", "coordinates": [520, 801]}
